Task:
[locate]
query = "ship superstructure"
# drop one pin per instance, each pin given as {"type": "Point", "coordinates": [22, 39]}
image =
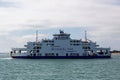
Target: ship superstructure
{"type": "Point", "coordinates": [61, 47]}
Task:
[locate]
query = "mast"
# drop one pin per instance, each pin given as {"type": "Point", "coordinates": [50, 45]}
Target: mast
{"type": "Point", "coordinates": [36, 43]}
{"type": "Point", "coordinates": [36, 36]}
{"type": "Point", "coordinates": [85, 36]}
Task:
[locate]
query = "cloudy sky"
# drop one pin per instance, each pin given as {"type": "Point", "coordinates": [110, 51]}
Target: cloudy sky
{"type": "Point", "coordinates": [19, 19]}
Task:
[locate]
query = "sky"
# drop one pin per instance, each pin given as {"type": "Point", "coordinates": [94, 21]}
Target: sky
{"type": "Point", "coordinates": [19, 20]}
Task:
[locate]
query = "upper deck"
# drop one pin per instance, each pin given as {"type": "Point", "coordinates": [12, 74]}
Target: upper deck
{"type": "Point", "coordinates": [61, 35]}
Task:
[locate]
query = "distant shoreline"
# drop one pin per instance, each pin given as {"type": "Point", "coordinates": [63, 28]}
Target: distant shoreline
{"type": "Point", "coordinates": [116, 53]}
{"type": "Point", "coordinates": [4, 53]}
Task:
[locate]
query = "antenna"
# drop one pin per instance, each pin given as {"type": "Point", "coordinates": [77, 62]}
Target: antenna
{"type": "Point", "coordinates": [85, 36]}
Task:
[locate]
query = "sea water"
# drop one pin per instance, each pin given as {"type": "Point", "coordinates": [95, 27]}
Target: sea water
{"type": "Point", "coordinates": [59, 69]}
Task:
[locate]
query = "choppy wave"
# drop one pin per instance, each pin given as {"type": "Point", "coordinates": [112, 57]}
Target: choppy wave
{"type": "Point", "coordinates": [60, 69]}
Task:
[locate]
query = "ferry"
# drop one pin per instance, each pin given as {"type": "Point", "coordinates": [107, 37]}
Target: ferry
{"type": "Point", "coordinates": [61, 46]}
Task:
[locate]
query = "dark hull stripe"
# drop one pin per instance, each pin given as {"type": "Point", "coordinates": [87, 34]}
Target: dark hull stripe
{"type": "Point", "coordinates": [60, 57]}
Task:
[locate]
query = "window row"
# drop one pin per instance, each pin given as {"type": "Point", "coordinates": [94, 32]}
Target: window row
{"type": "Point", "coordinates": [75, 41]}
{"type": "Point", "coordinates": [72, 54]}
{"type": "Point", "coordinates": [75, 44]}
{"type": "Point", "coordinates": [50, 44]}
{"type": "Point", "coordinates": [55, 54]}
{"type": "Point", "coordinates": [86, 47]}
{"type": "Point", "coordinates": [51, 54]}
{"type": "Point", "coordinates": [47, 41]}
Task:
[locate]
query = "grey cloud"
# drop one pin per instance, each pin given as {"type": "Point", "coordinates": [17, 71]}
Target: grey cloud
{"type": "Point", "coordinates": [111, 2]}
{"type": "Point", "coordinates": [101, 17]}
{"type": "Point", "coordinates": [7, 4]}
